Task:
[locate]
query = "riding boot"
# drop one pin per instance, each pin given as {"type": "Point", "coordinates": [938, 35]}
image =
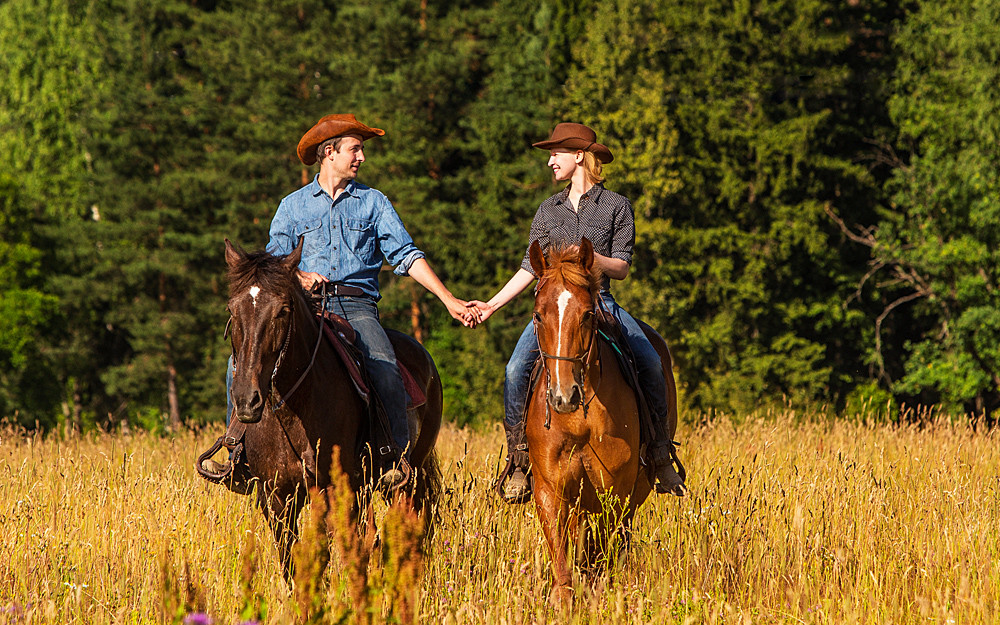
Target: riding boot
{"type": "Point", "coordinates": [663, 455]}
{"type": "Point", "coordinates": [518, 486]}
{"type": "Point", "coordinates": [396, 476]}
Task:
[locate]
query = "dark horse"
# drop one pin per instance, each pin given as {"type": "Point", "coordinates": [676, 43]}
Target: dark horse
{"type": "Point", "coordinates": [297, 400]}
{"type": "Point", "coordinates": [583, 432]}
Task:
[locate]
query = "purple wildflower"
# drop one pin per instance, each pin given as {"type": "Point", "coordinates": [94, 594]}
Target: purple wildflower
{"type": "Point", "coordinates": [197, 618]}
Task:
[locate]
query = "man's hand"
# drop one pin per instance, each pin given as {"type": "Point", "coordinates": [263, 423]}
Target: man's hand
{"type": "Point", "coordinates": [462, 311]}
{"type": "Point", "coordinates": [309, 279]}
{"type": "Point", "coordinates": [484, 309]}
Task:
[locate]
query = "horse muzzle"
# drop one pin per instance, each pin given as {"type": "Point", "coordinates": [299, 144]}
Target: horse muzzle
{"type": "Point", "coordinates": [251, 409]}
{"type": "Point", "coordinates": [564, 403]}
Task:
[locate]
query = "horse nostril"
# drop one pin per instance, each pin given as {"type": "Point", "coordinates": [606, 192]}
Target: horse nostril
{"type": "Point", "coordinates": [576, 396]}
{"type": "Point", "coordinates": [255, 400]}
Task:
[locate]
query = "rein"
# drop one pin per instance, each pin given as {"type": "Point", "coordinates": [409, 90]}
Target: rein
{"type": "Point", "coordinates": [319, 339]}
{"type": "Point", "coordinates": [233, 439]}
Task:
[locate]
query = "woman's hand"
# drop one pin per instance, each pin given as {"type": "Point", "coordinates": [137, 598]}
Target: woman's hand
{"type": "Point", "coordinates": [484, 309]}
{"type": "Point", "coordinates": [463, 311]}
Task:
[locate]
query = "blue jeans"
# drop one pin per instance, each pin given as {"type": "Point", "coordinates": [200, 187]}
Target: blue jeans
{"type": "Point", "coordinates": [380, 360]}
{"type": "Point", "coordinates": [650, 369]}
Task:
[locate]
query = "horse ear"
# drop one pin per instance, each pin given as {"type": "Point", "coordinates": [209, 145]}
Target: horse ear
{"type": "Point", "coordinates": [292, 260]}
{"type": "Point", "coordinates": [536, 258]}
{"type": "Point", "coordinates": [233, 254]}
{"type": "Point", "coordinates": [587, 253]}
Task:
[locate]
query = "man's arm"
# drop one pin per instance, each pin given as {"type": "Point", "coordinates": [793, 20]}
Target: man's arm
{"type": "Point", "coordinates": [421, 271]}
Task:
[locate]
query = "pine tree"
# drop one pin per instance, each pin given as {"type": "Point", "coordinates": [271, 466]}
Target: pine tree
{"type": "Point", "coordinates": [737, 127]}
{"type": "Point", "coordinates": [936, 245]}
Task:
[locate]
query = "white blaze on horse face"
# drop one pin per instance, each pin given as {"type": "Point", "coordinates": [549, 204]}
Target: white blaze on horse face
{"type": "Point", "coordinates": [254, 291]}
{"type": "Point", "coordinates": [563, 301]}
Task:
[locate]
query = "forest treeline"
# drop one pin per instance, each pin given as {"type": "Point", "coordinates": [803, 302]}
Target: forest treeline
{"type": "Point", "coordinates": [815, 185]}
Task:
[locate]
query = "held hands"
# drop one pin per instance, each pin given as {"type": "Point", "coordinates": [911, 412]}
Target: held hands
{"type": "Point", "coordinates": [485, 310]}
{"type": "Point", "coordinates": [463, 311]}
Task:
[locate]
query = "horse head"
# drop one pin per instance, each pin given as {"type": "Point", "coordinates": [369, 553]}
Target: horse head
{"type": "Point", "coordinates": [263, 295]}
{"type": "Point", "coordinates": [564, 318]}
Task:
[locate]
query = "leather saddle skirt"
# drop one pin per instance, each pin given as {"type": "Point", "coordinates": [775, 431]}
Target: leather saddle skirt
{"type": "Point", "coordinates": [343, 339]}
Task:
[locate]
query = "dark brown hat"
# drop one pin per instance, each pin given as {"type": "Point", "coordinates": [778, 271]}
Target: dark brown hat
{"type": "Point", "coordinates": [329, 127]}
{"type": "Point", "coordinates": [571, 136]}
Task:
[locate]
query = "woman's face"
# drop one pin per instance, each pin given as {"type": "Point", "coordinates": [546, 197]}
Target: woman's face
{"type": "Point", "coordinates": [564, 163]}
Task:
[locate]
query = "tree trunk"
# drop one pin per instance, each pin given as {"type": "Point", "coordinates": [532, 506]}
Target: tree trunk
{"type": "Point", "coordinates": [415, 328]}
{"type": "Point", "coordinates": [175, 411]}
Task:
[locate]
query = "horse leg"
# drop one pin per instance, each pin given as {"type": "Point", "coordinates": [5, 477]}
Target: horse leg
{"type": "Point", "coordinates": [282, 514]}
{"type": "Point", "coordinates": [559, 525]}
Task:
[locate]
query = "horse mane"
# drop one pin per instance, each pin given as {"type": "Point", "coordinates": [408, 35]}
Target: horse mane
{"type": "Point", "coordinates": [563, 263]}
{"type": "Point", "coordinates": [261, 269]}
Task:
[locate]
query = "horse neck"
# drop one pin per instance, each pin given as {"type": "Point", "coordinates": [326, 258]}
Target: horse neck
{"type": "Point", "coordinates": [301, 343]}
{"type": "Point", "coordinates": [327, 371]}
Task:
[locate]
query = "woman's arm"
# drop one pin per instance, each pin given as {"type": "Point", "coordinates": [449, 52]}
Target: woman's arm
{"type": "Point", "coordinates": [520, 281]}
{"type": "Point", "coordinates": [614, 268]}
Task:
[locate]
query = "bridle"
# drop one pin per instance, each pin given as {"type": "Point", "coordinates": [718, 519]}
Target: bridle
{"type": "Point", "coordinates": [583, 360]}
{"type": "Point", "coordinates": [272, 392]}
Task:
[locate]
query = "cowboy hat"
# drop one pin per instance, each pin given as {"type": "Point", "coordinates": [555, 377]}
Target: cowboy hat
{"type": "Point", "coordinates": [329, 127]}
{"type": "Point", "coordinates": [572, 136]}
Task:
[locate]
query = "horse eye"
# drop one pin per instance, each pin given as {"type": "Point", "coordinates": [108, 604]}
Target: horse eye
{"type": "Point", "coordinates": [283, 311]}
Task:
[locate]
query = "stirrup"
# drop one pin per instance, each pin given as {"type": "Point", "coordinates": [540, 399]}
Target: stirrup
{"type": "Point", "coordinates": [518, 487]}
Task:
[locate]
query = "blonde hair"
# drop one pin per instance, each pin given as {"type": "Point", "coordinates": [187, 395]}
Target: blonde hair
{"type": "Point", "coordinates": [592, 165]}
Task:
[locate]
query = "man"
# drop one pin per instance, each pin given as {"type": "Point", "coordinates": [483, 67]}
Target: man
{"type": "Point", "coordinates": [348, 228]}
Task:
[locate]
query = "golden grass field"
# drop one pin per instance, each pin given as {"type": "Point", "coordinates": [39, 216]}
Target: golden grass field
{"type": "Point", "coordinates": [790, 519]}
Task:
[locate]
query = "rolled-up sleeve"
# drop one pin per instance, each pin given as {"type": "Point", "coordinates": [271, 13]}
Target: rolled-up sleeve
{"type": "Point", "coordinates": [623, 239]}
{"type": "Point", "coordinates": [539, 232]}
{"type": "Point", "coordinates": [395, 242]}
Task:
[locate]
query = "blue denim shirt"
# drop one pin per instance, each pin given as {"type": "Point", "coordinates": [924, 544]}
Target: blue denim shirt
{"type": "Point", "coordinates": [346, 238]}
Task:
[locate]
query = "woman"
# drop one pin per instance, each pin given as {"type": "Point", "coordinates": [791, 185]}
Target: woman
{"type": "Point", "coordinates": [582, 209]}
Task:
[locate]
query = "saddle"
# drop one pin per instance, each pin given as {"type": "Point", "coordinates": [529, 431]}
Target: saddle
{"type": "Point", "coordinates": [343, 339]}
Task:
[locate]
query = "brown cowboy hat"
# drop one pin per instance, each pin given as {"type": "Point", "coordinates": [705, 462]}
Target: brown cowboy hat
{"type": "Point", "coordinates": [329, 127]}
{"type": "Point", "coordinates": [572, 136]}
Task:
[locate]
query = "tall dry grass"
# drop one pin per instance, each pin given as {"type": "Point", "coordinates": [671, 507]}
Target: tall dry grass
{"type": "Point", "coordinates": [789, 520]}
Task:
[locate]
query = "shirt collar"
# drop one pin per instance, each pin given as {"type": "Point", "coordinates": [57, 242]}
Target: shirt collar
{"type": "Point", "coordinates": [317, 190]}
{"type": "Point", "coordinates": [594, 192]}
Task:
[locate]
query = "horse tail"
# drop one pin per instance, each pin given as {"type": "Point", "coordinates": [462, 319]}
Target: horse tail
{"type": "Point", "coordinates": [427, 493]}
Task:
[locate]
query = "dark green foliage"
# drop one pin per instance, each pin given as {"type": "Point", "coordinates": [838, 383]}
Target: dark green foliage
{"type": "Point", "coordinates": [815, 185]}
{"type": "Point", "coordinates": [736, 127]}
{"type": "Point", "coordinates": [938, 240]}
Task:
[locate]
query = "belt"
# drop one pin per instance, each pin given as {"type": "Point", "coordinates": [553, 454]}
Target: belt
{"type": "Point", "coordinates": [338, 290]}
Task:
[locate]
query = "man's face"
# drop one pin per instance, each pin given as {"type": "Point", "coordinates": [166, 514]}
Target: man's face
{"type": "Point", "coordinates": [346, 160]}
{"type": "Point", "coordinates": [564, 163]}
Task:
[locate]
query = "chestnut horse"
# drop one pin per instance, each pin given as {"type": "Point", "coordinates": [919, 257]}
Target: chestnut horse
{"type": "Point", "coordinates": [295, 395]}
{"type": "Point", "coordinates": [583, 432]}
